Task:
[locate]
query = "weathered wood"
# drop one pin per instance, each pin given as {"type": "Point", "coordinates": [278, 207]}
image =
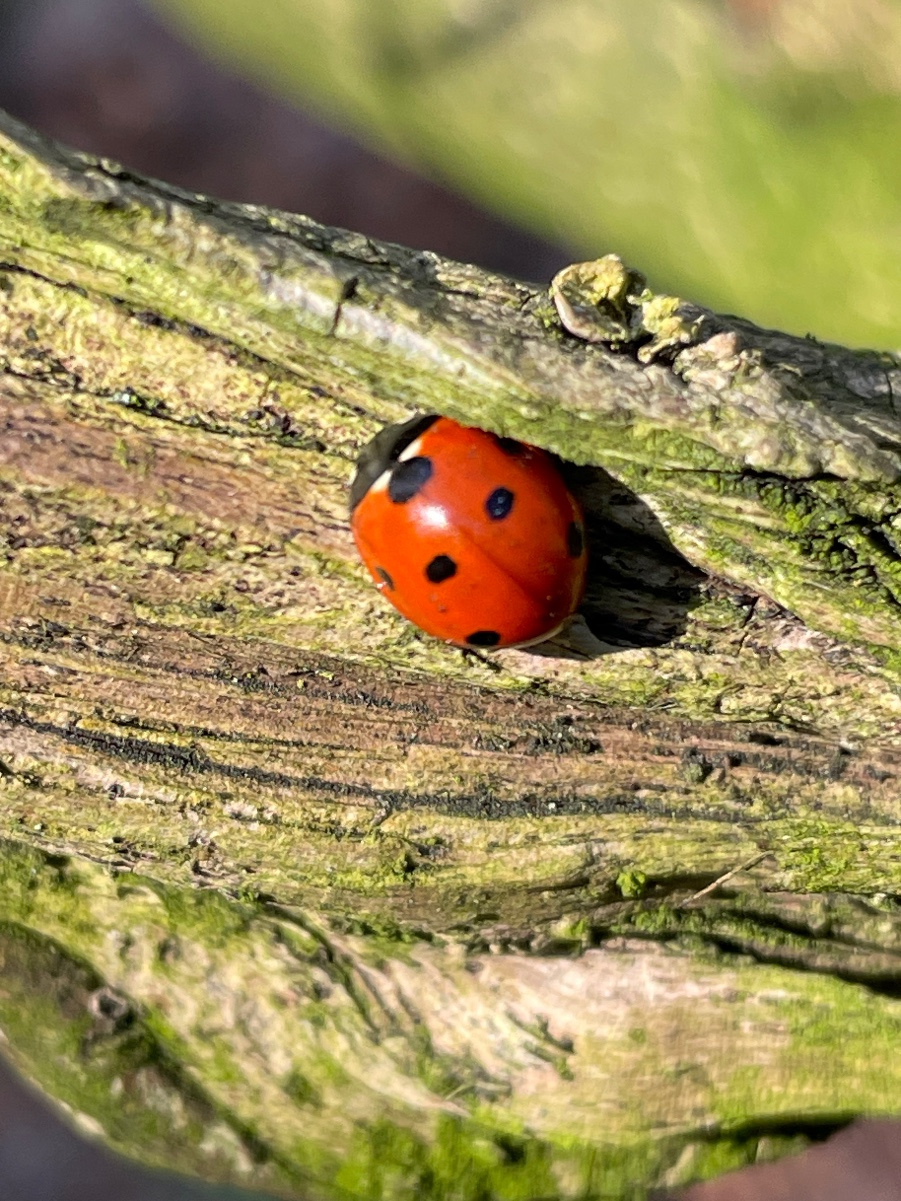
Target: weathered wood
{"type": "Point", "coordinates": [303, 900]}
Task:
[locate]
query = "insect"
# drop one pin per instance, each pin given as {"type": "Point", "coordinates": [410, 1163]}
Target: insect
{"type": "Point", "coordinates": [473, 537]}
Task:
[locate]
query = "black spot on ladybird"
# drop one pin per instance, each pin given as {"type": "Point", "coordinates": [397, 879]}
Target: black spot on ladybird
{"type": "Point", "coordinates": [483, 638]}
{"type": "Point", "coordinates": [441, 568]}
{"type": "Point", "coordinates": [385, 578]}
{"type": "Point", "coordinates": [408, 477]}
{"type": "Point", "coordinates": [499, 504]}
{"type": "Point", "coordinates": [575, 539]}
{"type": "Point", "coordinates": [383, 451]}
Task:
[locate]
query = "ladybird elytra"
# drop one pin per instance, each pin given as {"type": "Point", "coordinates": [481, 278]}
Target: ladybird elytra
{"type": "Point", "coordinates": [474, 537]}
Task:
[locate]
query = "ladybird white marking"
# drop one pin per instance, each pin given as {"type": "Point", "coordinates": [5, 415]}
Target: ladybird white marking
{"type": "Point", "coordinates": [381, 483]}
{"type": "Point", "coordinates": [435, 517]}
{"type": "Point", "coordinates": [411, 451]}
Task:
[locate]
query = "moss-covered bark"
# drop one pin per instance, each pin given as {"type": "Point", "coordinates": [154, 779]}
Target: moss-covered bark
{"type": "Point", "coordinates": [303, 900]}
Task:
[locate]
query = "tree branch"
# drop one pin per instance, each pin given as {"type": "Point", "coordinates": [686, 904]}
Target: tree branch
{"type": "Point", "coordinates": [359, 898]}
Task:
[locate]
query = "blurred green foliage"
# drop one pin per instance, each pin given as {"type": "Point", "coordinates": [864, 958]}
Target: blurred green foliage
{"type": "Point", "coordinates": [743, 153]}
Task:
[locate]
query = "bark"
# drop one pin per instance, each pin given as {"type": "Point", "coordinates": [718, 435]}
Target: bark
{"type": "Point", "coordinates": [294, 897]}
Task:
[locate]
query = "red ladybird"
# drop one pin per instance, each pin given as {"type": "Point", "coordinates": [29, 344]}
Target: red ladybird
{"type": "Point", "coordinates": [473, 537]}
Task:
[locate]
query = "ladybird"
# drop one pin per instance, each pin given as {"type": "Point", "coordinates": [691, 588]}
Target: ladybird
{"type": "Point", "coordinates": [475, 538]}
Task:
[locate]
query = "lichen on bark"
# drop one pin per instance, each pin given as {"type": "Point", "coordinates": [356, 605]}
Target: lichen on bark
{"type": "Point", "coordinates": [452, 921]}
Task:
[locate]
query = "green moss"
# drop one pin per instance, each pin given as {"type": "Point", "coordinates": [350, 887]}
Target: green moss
{"type": "Point", "coordinates": [218, 919]}
{"type": "Point", "coordinates": [705, 1161]}
{"type": "Point", "coordinates": [301, 1090]}
{"type": "Point", "coordinates": [385, 1162]}
{"type": "Point", "coordinates": [631, 884]}
{"type": "Point", "coordinates": [845, 1025]}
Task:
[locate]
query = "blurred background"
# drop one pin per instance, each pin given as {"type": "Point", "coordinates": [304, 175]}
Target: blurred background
{"type": "Point", "coordinates": [110, 77]}
{"type": "Point", "coordinates": [743, 153]}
